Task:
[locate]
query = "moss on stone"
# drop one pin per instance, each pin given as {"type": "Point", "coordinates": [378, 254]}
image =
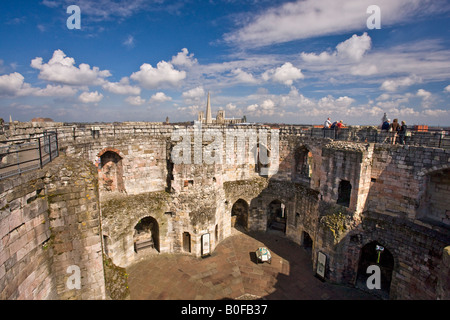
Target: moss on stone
{"type": "Point", "coordinates": [338, 223]}
{"type": "Point", "coordinates": [116, 280]}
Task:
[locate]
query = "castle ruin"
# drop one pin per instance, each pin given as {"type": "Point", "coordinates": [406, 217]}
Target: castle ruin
{"type": "Point", "coordinates": [115, 192]}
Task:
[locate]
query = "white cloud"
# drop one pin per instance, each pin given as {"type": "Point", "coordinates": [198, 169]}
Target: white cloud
{"type": "Point", "coordinates": [183, 58]}
{"type": "Point", "coordinates": [252, 107]}
{"type": "Point", "coordinates": [135, 101]}
{"type": "Point", "coordinates": [164, 73]}
{"type": "Point", "coordinates": [55, 91]}
{"type": "Point", "coordinates": [268, 107]}
{"type": "Point", "coordinates": [285, 74]}
{"type": "Point", "coordinates": [304, 19]}
{"type": "Point", "coordinates": [191, 110]}
{"type": "Point", "coordinates": [364, 70]}
{"type": "Point", "coordinates": [353, 48]}
{"type": "Point", "coordinates": [436, 112]}
{"type": "Point", "coordinates": [62, 69]}
{"type": "Point", "coordinates": [244, 77]}
{"type": "Point", "coordinates": [14, 85]}
{"type": "Point", "coordinates": [447, 88]}
{"type": "Point", "coordinates": [160, 97]}
{"type": "Point", "coordinates": [129, 42]}
{"type": "Point", "coordinates": [312, 57]}
{"type": "Point", "coordinates": [90, 97]}
{"type": "Point", "coordinates": [394, 84]}
{"type": "Point", "coordinates": [194, 94]}
{"type": "Point", "coordinates": [426, 95]}
{"type": "Point", "coordinates": [123, 87]}
{"type": "Point", "coordinates": [103, 9]}
{"type": "Point", "coordinates": [231, 106]}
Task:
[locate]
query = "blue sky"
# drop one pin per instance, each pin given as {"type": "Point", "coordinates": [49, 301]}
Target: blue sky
{"type": "Point", "coordinates": [295, 62]}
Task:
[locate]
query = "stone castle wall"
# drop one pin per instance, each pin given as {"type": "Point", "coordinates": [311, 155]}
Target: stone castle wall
{"type": "Point", "coordinates": [50, 221]}
{"type": "Point", "coordinates": [342, 195]}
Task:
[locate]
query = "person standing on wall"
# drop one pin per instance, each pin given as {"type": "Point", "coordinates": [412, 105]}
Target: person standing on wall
{"type": "Point", "coordinates": [326, 127]}
{"type": "Point", "coordinates": [339, 126]}
{"type": "Point", "coordinates": [402, 133]}
{"type": "Point", "coordinates": [393, 130]}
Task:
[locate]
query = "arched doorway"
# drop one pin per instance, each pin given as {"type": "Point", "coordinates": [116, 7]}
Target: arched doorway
{"type": "Point", "coordinates": [239, 214]}
{"type": "Point", "coordinates": [276, 216]}
{"type": "Point", "coordinates": [186, 242]}
{"type": "Point", "coordinates": [302, 164]}
{"type": "Point", "coordinates": [111, 172]}
{"type": "Point", "coordinates": [146, 235]}
{"type": "Point", "coordinates": [307, 242]}
{"type": "Point", "coordinates": [344, 193]}
{"type": "Point", "coordinates": [376, 254]}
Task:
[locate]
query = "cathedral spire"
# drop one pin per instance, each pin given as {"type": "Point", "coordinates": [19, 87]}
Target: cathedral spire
{"type": "Point", "coordinates": [208, 111]}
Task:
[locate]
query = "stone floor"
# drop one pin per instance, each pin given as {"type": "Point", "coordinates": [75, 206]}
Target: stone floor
{"type": "Point", "coordinates": [231, 272]}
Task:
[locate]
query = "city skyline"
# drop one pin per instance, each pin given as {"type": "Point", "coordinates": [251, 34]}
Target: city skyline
{"type": "Point", "coordinates": [294, 62]}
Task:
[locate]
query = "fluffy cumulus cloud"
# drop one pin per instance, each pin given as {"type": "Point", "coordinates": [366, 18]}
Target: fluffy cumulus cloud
{"type": "Point", "coordinates": [353, 48]}
{"type": "Point", "coordinates": [268, 107]}
{"type": "Point", "coordinates": [160, 97]}
{"type": "Point", "coordinates": [447, 88]}
{"type": "Point", "coordinates": [164, 74]}
{"type": "Point", "coordinates": [425, 95]}
{"type": "Point", "coordinates": [135, 101]}
{"type": "Point", "coordinates": [62, 69]}
{"type": "Point", "coordinates": [183, 58]}
{"type": "Point", "coordinates": [395, 84]}
{"type": "Point", "coordinates": [123, 87]}
{"type": "Point", "coordinates": [194, 94]}
{"type": "Point", "coordinates": [14, 85]}
{"type": "Point", "coordinates": [90, 97]}
{"type": "Point", "coordinates": [252, 107]}
{"type": "Point", "coordinates": [243, 76]}
{"type": "Point", "coordinates": [285, 74]}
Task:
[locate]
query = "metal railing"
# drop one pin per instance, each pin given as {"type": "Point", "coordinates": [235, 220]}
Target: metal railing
{"type": "Point", "coordinates": [437, 139]}
{"type": "Point", "coordinates": [23, 155]}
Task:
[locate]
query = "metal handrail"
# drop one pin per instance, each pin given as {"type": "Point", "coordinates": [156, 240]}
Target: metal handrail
{"type": "Point", "coordinates": [22, 155]}
{"type": "Point", "coordinates": [439, 139]}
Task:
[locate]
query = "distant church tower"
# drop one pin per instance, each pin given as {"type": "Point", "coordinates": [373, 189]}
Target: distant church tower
{"type": "Point", "coordinates": [208, 111]}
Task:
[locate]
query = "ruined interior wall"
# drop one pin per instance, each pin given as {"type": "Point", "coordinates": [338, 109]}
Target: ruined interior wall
{"type": "Point", "coordinates": [398, 175]}
{"type": "Point", "coordinates": [120, 215]}
{"type": "Point", "coordinates": [399, 179]}
{"type": "Point", "coordinates": [389, 181]}
{"type": "Point", "coordinates": [417, 251]}
{"type": "Point", "coordinates": [25, 254]}
{"type": "Point", "coordinates": [50, 221]}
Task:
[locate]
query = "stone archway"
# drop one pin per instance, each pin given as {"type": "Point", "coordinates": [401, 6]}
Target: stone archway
{"type": "Point", "coordinates": [370, 256]}
{"type": "Point", "coordinates": [111, 171]}
{"type": "Point", "coordinates": [276, 216]}
{"type": "Point", "coordinates": [344, 193]}
{"type": "Point", "coordinates": [146, 235]}
{"type": "Point", "coordinates": [307, 242]}
{"type": "Point", "coordinates": [302, 167]}
{"type": "Point", "coordinates": [239, 214]}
